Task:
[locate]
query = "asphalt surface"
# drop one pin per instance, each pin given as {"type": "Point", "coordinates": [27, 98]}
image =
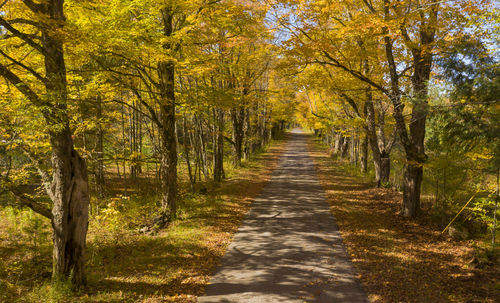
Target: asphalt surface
{"type": "Point", "coordinates": [288, 248]}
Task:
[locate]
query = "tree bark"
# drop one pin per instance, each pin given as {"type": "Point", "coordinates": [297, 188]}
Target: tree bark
{"type": "Point", "coordinates": [344, 148]}
{"type": "Point", "coordinates": [70, 211]}
{"type": "Point", "coordinates": [238, 120]}
{"type": "Point", "coordinates": [186, 137]}
{"type": "Point", "coordinates": [380, 150]}
{"type": "Point", "coordinates": [339, 141]}
{"type": "Point", "coordinates": [69, 181]}
{"type": "Point", "coordinates": [168, 165]}
{"type": "Point", "coordinates": [219, 145]}
{"type": "Point", "coordinates": [411, 189]}
{"type": "Point", "coordinates": [364, 153]}
{"type": "Point", "coordinates": [100, 151]}
{"type": "Point", "coordinates": [415, 153]}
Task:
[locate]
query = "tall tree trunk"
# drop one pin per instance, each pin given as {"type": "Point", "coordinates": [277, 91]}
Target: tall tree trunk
{"type": "Point", "coordinates": [412, 140]}
{"type": "Point", "coordinates": [100, 151]}
{"type": "Point", "coordinates": [187, 151]}
{"type": "Point", "coordinates": [124, 150]}
{"type": "Point", "coordinates": [70, 211]}
{"type": "Point", "coordinates": [69, 181]}
{"type": "Point", "coordinates": [238, 120]}
{"type": "Point", "coordinates": [345, 147]}
{"type": "Point", "coordinates": [380, 154]}
{"type": "Point", "coordinates": [219, 145]}
{"type": "Point", "coordinates": [416, 157]}
{"type": "Point", "coordinates": [339, 141]}
{"type": "Point", "coordinates": [364, 153]}
{"type": "Point", "coordinates": [168, 164]}
{"type": "Point", "coordinates": [248, 133]}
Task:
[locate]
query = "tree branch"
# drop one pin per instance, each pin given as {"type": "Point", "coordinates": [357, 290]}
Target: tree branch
{"type": "Point", "coordinates": [360, 76]}
{"type": "Point", "coordinates": [34, 7]}
{"type": "Point", "coordinates": [351, 102]}
{"type": "Point", "coordinates": [25, 200]}
{"type": "Point", "coordinates": [24, 89]}
{"type": "Point", "coordinates": [23, 37]}
{"type": "Point", "coordinates": [46, 180]}
{"type": "Point", "coordinates": [18, 63]}
{"type": "Point", "coordinates": [25, 21]}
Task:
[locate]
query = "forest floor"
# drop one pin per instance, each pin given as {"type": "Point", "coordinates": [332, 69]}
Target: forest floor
{"type": "Point", "coordinates": [398, 259]}
{"type": "Point", "coordinates": [124, 265]}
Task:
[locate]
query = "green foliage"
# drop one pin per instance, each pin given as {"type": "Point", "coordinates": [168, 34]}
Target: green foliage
{"type": "Point", "coordinates": [122, 214]}
{"type": "Point", "coordinates": [54, 292]}
{"type": "Point", "coordinates": [25, 225]}
{"type": "Point", "coordinates": [462, 132]}
{"type": "Point", "coordinates": [470, 116]}
{"type": "Point", "coordinates": [484, 211]}
{"type": "Point", "coordinates": [386, 184]}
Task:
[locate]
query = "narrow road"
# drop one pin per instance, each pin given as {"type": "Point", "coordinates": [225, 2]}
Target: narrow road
{"type": "Point", "coordinates": [288, 248]}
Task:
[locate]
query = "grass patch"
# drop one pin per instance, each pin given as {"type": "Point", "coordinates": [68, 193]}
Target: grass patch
{"type": "Point", "coordinates": [124, 265]}
{"type": "Point", "coordinates": [400, 260]}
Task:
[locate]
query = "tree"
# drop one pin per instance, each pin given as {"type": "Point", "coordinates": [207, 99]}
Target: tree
{"type": "Point", "coordinates": [39, 29]}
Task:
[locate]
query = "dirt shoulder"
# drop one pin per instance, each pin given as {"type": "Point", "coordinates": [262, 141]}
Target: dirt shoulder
{"type": "Point", "coordinates": [399, 260]}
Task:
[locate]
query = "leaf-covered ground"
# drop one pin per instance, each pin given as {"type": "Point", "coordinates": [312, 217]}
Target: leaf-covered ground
{"type": "Point", "coordinates": [126, 266]}
{"type": "Point", "coordinates": [400, 260]}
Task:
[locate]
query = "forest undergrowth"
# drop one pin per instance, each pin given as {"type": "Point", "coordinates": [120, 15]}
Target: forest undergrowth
{"type": "Point", "coordinates": [399, 259]}
{"type": "Point", "coordinates": [123, 264]}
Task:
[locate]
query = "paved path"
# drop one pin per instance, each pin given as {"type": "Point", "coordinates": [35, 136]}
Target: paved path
{"type": "Point", "coordinates": [288, 248]}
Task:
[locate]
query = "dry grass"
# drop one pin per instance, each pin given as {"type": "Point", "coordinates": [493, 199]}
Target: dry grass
{"type": "Point", "coordinates": [126, 266]}
{"type": "Point", "coordinates": [400, 260]}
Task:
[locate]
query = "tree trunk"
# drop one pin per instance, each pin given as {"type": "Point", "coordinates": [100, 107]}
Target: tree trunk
{"type": "Point", "coordinates": [69, 181]}
{"type": "Point", "coordinates": [100, 151]}
{"type": "Point", "coordinates": [238, 120]}
{"type": "Point", "coordinates": [219, 145]}
{"type": "Point", "coordinates": [344, 148]}
{"type": "Point", "coordinates": [413, 142]}
{"type": "Point", "coordinates": [364, 153]}
{"type": "Point", "coordinates": [339, 141]}
{"type": "Point", "coordinates": [411, 189]}
{"type": "Point", "coordinates": [186, 152]}
{"type": "Point", "coordinates": [380, 153]}
{"type": "Point", "coordinates": [70, 211]}
{"type": "Point", "coordinates": [168, 164]}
